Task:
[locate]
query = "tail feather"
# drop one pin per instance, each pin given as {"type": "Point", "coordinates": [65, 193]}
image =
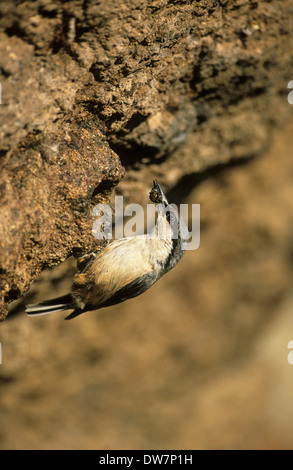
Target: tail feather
{"type": "Point", "coordinates": [74, 314]}
{"type": "Point", "coordinates": [65, 302]}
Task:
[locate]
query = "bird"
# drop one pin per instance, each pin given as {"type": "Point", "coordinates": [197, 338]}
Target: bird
{"type": "Point", "coordinates": [125, 268]}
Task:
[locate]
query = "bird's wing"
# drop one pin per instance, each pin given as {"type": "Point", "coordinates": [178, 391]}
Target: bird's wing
{"type": "Point", "coordinates": [132, 289]}
{"type": "Point", "coordinates": [122, 269]}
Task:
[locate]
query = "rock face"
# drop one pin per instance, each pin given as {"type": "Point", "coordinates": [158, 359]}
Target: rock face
{"type": "Point", "coordinates": [157, 78]}
{"type": "Point", "coordinates": [194, 94]}
{"type": "Point", "coordinates": [49, 184]}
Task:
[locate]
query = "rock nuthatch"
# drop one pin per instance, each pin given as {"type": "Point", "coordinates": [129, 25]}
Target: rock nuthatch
{"type": "Point", "coordinates": [125, 268]}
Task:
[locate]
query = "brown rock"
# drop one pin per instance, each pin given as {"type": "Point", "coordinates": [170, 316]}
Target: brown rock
{"type": "Point", "coordinates": [190, 92]}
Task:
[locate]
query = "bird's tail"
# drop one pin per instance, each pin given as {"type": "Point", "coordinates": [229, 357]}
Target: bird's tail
{"type": "Point", "coordinates": [65, 302]}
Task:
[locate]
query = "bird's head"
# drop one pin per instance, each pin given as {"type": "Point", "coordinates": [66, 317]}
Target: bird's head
{"type": "Point", "coordinates": [168, 217]}
{"type": "Point", "coordinates": [157, 194]}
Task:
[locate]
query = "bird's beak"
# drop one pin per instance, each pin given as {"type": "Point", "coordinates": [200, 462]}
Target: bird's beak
{"type": "Point", "coordinates": [162, 196]}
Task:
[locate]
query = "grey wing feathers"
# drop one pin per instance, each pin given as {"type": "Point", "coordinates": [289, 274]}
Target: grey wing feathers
{"type": "Point", "coordinates": [132, 289]}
